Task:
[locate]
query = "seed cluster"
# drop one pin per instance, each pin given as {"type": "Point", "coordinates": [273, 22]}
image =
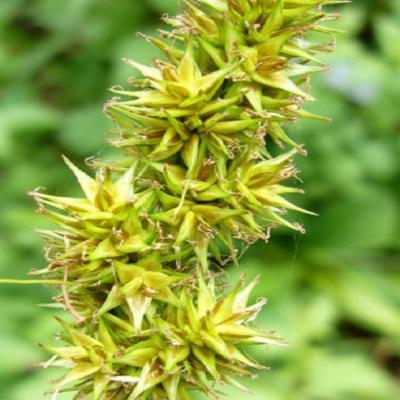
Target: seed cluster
{"type": "Point", "coordinates": [150, 317]}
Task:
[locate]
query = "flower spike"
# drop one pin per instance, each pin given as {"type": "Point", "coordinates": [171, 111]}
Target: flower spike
{"type": "Point", "coordinates": [134, 256]}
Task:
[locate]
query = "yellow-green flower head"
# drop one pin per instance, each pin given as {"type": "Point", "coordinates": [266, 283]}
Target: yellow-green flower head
{"type": "Point", "coordinates": [201, 123]}
{"type": "Point", "coordinates": [215, 330]}
{"type": "Point", "coordinates": [107, 249]}
{"type": "Point", "coordinates": [266, 41]}
{"type": "Point", "coordinates": [244, 202]}
{"type": "Point", "coordinates": [267, 35]}
{"type": "Point", "coordinates": [179, 349]}
{"type": "Point", "coordinates": [178, 103]}
{"type": "Point", "coordinates": [110, 223]}
{"type": "Point", "coordinates": [113, 223]}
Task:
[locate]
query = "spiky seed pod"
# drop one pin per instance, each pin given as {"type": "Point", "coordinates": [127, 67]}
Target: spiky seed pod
{"type": "Point", "coordinates": [266, 37]}
{"type": "Point", "coordinates": [180, 348]}
{"type": "Point", "coordinates": [150, 319]}
{"type": "Point", "coordinates": [97, 240]}
{"type": "Point", "coordinates": [263, 42]}
{"type": "Point", "coordinates": [202, 120]}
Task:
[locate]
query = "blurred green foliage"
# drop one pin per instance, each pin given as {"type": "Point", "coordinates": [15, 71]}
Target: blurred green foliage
{"type": "Point", "coordinates": [334, 292]}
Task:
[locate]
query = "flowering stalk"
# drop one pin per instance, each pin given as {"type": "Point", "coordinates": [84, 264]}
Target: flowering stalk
{"type": "Point", "coordinates": [132, 257]}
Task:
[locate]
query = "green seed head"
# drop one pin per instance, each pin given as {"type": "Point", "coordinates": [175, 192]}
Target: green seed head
{"type": "Point", "coordinates": [150, 320]}
{"type": "Point", "coordinates": [177, 349]}
{"type": "Point", "coordinates": [202, 122]}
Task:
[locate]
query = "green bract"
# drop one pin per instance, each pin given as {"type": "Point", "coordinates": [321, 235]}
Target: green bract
{"type": "Point", "coordinates": [150, 317]}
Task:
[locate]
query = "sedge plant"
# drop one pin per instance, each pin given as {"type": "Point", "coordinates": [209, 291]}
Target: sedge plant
{"type": "Point", "coordinates": [137, 259]}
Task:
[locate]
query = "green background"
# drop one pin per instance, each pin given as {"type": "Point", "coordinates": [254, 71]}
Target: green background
{"type": "Point", "coordinates": [334, 293]}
